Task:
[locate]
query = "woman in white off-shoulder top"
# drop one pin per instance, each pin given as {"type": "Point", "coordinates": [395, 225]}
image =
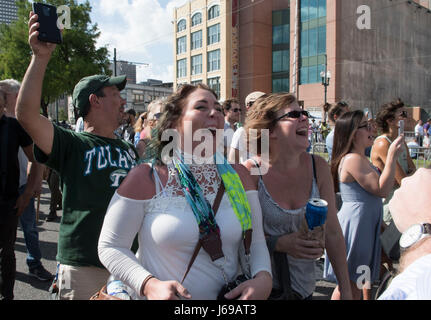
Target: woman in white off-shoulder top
{"type": "Point", "coordinates": [151, 203]}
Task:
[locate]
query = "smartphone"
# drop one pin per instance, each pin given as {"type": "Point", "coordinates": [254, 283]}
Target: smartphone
{"type": "Point", "coordinates": [368, 113]}
{"type": "Point", "coordinates": [47, 18]}
{"type": "Point", "coordinates": [400, 127]}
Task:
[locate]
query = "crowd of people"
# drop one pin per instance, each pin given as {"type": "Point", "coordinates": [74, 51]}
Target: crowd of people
{"type": "Point", "coordinates": [145, 203]}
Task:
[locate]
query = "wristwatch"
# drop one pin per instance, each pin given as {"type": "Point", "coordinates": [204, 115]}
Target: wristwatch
{"type": "Point", "coordinates": [414, 234]}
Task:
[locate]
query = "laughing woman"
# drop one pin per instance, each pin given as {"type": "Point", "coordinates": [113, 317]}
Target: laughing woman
{"type": "Point", "coordinates": [362, 189]}
{"type": "Point", "coordinates": [288, 178]}
{"type": "Point", "coordinates": [170, 207]}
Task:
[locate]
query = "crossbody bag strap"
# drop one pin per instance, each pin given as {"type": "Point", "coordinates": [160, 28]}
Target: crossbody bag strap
{"type": "Point", "coordinates": [215, 207]}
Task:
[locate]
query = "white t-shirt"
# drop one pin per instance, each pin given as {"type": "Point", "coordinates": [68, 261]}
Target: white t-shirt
{"type": "Point", "coordinates": [168, 233]}
{"type": "Point", "coordinates": [239, 142]}
{"type": "Point", "coordinates": [23, 163]}
{"type": "Point", "coordinates": [228, 134]}
{"type": "Point", "coordinates": [412, 284]}
{"type": "Point", "coordinates": [79, 126]}
{"type": "Point", "coordinates": [419, 130]}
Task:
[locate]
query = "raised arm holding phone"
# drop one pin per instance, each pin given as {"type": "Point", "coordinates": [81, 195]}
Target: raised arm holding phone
{"type": "Point", "coordinates": [388, 122]}
{"type": "Point", "coordinates": [91, 164]}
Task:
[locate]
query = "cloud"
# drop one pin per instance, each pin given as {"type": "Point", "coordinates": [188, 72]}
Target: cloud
{"type": "Point", "coordinates": [141, 31]}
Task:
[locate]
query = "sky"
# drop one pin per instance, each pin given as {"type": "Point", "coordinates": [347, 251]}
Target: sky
{"type": "Point", "coordinates": [141, 31]}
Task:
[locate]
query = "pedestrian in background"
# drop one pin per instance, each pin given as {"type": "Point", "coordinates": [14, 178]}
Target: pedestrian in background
{"type": "Point", "coordinates": [12, 203]}
{"type": "Point", "coordinates": [387, 122]}
{"type": "Point", "coordinates": [154, 112]}
{"type": "Point", "coordinates": [232, 112]}
{"type": "Point", "coordinates": [334, 111]}
{"type": "Point", "coordinates": [28, 218]}
{"type": "Point", "coordinates": [139, 128]}
{"type": "Point", "coordinates": [239, 151]}
{"type": "Point", "coordinates": [419, 133]}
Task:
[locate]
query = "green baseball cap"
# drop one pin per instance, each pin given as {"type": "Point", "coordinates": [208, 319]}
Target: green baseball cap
{"type": "Point", "coordinates": [89, 85]}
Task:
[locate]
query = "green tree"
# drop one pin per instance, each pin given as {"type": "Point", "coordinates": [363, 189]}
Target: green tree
{"type": "Point", "coordinates": [74, 59]}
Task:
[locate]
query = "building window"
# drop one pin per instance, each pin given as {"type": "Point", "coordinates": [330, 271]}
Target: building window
{"type": "Point", "coordinates": [181, 68]}
{"type": "Point", "coordinates": [313, 40]}
{"type": "Point", "coordinates": [214, 34]}
{"type": "Point", "coordinates": [181, 45]}
{"type": "Point", "coordinates": [213, 12]}
{"type": "Point", "coordinates": [280, 85]}
{"type": "Point", "coordinates": [196, 82]}
{"type": "Point", "coordinates": [181, 26]}
{"type": "Point", "coordinates": [196, 64]}
{"type": "Point", "coordinates": [280, 61]}
{"type": "Point", "coordinates": [196, 19]}
{"type": "Point", "coordinates": [280, 50]}
{"type": "Point", "coordinates": [196, 39]}
{"type": "Point", "coordinates": [138, 98]}
{"type": "Point", "coordinates": [214, 83]}
{"type": "Point", "coordinates": [280, 27]}
{"type": "Point", "coordinates": [214, 60]}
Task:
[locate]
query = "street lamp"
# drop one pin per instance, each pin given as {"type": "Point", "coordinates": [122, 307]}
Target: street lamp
{"type": "Point", "coordinates": [326, 76]}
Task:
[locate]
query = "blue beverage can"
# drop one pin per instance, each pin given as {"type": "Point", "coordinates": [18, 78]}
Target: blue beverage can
{"type": "Point", "coordinates": [316, 212]}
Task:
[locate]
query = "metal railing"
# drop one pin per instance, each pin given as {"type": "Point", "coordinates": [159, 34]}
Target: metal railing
{"type": "Point", "coordinates": [421, 156]}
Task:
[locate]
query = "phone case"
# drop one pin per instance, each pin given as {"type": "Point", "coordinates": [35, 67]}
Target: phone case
{"type": "Point", "coordinates": [47, 18]}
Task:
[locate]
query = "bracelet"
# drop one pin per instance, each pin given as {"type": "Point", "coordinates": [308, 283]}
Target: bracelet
{"type": "Point", "coordinates": [144, 283]}
{"type": "Point", "coordinates": [271, 242]}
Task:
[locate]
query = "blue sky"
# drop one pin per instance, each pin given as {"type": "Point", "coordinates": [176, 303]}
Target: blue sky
{"type": "Point", "coordinates": [141, 30]}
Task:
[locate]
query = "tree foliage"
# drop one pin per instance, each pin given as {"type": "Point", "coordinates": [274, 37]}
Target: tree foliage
{"type": "Point", "coordinates": [74, 59]}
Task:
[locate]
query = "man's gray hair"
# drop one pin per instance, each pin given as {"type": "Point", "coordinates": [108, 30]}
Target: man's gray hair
{"type": "Point", "coordinates": [10, 86]}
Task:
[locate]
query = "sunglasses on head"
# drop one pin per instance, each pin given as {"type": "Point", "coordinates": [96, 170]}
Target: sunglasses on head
{"type": "Point", "coordinates": [295, 114]}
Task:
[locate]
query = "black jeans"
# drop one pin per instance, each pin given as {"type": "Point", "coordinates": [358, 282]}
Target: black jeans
{"type": "Point", "coordinates": [8, 226]}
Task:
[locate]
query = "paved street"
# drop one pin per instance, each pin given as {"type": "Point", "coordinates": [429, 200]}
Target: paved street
{"type": "Point", "coordinates": [29, 288]}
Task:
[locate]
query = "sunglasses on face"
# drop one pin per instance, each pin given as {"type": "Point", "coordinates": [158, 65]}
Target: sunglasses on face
{"type": "Point", "coordinates": [367, 125]}
{"type": "Point", "coordinates": [295, 114]}
{"type": "Point", "coordinates": [236, 110]}
{"type": "Point", "coordinates": [403, 114]}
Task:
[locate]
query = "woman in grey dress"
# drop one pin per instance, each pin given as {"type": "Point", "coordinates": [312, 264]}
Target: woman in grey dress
{"type": "Point", "coordinates": [286, 177]}
{"type": "Point", "coordinates": [362, 188]}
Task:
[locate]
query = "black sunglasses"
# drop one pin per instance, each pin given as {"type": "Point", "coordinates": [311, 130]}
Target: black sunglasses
{"type": "Point", "coordinates": [367, 125]}
{"type": "Point", "coordinates": [236, 110]}
{"type": "Point", "coordinates": [295, 114]}
{"type": "Point", "coordinates": [403, 114]}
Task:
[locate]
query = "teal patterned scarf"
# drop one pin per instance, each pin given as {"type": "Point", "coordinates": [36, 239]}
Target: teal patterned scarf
{"type": "Point", "coordinates": [200, 206]}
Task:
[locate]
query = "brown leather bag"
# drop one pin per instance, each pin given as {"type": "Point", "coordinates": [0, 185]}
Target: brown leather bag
{"type": "Point", "coordinates": [102, 294]}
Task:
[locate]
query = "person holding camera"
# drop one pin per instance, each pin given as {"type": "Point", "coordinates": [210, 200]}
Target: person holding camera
{"type": "Point", "coordinates": [172, 205]}
{"type": "Point", "coordinates": [91, 164]}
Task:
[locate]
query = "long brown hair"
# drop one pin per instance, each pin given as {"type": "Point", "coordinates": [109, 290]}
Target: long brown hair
{"type": "Point", "coordinates": [345, 129]}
